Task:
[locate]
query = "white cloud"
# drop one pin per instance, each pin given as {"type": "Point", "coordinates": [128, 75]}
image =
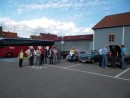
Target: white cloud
{"type": "Point", "coordinates": [62, 4]}
{"type": "Point", "coordinates": [88, 30]}
{"type": "Point", "coordinates": [43, 25]}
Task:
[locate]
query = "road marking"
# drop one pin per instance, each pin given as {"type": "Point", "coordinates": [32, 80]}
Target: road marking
{"type": "Point", "coordinates": [73, 65]}
{"type": "Point", "coordinates": [90, 73]}
{"type": "Point", "coordinates": [123, 79]}
{"type": "Point", "coordinates": [34, 67]}
{"type": "Point", "coordinates": [9, 59]}
{"type": "Point", "coordinates": [81, 71]}
{"type": "Point", "coordinates": [118, 75]}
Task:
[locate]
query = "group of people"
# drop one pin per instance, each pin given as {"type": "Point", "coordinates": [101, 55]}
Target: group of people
{"type": "Point", "coordinates": [113, 55]}
{"type": "Point", "coordinates": [52, 55]}
{"type": "Point", "coordinates": [42, 55]}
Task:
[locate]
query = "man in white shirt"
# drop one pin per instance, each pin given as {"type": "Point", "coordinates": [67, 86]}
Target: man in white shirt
{"type": "Point", "coordinates": [100, 57]}
{"type": "Point", "coordinates": [104, 56]}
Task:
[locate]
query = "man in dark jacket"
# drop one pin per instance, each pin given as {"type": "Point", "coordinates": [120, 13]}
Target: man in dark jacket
{"type": "Point", "coordinates": [113, 56]}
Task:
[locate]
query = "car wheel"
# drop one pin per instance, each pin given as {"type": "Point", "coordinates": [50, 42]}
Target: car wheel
{"type": "Point", "coordinates": [9, 55]}
{"type": "Point", "coordinates": [92, 61]}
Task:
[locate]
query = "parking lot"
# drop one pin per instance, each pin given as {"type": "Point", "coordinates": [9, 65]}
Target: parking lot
{"type": "Point", "coordinates": [64, 80]}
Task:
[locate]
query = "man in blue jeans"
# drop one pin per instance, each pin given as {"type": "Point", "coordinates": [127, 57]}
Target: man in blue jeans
{"type": "Point", "coordinates": [104, 56]}
{"type": "Point", "coordinates": [123, 56]}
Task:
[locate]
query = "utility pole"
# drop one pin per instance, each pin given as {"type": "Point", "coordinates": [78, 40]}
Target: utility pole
{"type": "Point", "coordinates": [62, 42]}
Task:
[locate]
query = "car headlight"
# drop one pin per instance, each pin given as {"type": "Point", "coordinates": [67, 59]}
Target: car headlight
{"type": "Point", "coordinates": [89, 57]}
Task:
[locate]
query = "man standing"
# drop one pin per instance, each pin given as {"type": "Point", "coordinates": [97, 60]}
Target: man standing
{"type": "Point", "coordinates": [27, 52]}
{"type": "Point", "coordinates": [31, 56]}
{"type": "Point", "coordinates": [113, 56]}
{"type": "Point", "coordinates": [38, 54]}
{"type": "Point", "coordinates": [54, 49]}
{"type": "Point", "coordinates": [51, 55]}
{"type": "Point", "coordinates": [123, 56]}
{"type": "Point", "coordinates": [104, 56]}
{"type": "Point", "coordinates": [46, 54]}
{"type": "Point", "coordinates": [100, 57]}
{"type": "Point", "coordinates": [42, 55]}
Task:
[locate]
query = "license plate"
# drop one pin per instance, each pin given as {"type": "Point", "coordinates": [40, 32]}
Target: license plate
{"type": "Point", "coordinates": [83, 61]}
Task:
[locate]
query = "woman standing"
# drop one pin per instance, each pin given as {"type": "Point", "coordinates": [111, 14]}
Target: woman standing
{"type": "Point", "coordinates": [20, 57]}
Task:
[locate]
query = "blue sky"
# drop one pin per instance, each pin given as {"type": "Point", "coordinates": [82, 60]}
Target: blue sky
{"type": "Point", "coordinates": [61, 17]}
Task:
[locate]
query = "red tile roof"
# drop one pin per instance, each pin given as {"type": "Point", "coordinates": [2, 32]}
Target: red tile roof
{"type": "Point", "coordinates": [79, 37]}
{"type": "Point", "coordinates": [69, 38]}
{"type": "Point", "coordinates": [47, 34]}
{"type": "Point", "coordinates": [35, 37]}
{"type": "Point", "coordinates": [116, 20]}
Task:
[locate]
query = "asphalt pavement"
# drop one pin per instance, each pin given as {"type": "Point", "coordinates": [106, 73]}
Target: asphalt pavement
{"type": "Point", "coordinates": [64, 80]}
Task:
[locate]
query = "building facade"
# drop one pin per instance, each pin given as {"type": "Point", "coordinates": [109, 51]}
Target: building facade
{"type": "Point", "coordinates": [8, 34]}
{"type": "Point", "coordinates": [82, 45]}
{"type": "Point", "coordinates": [81, 42]}
{"type": "Point", "coordinates": [113, 30]}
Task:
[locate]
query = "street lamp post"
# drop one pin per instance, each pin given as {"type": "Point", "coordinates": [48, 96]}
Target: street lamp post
{"type": "Point", "coordinates": [62, 42]}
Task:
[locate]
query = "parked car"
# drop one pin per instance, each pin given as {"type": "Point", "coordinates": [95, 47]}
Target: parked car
{"type": "Point", "coordinates": [91, 56]}
{"type": "Point", "coordinates": [64, 54]}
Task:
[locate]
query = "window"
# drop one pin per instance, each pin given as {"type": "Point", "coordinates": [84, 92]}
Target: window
{"type": "Point", "coordinates": [111, 38]}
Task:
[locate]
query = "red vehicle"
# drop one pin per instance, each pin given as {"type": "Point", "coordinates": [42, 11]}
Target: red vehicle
{"type": "Point", "coordinates": [10, 47]}
{"type": "Point", "coordinates": [11, 51]}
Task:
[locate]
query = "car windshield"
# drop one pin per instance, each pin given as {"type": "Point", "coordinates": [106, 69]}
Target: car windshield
{"type": "Point", "coordinates": [86, 54]}
{"type": "Point", "coordinates": [91, 53]}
